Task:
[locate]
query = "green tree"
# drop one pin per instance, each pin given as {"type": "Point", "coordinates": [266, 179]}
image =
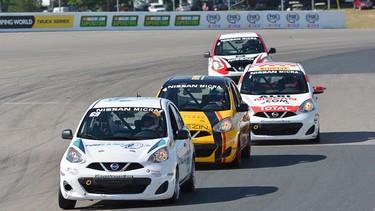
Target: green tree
{"type": "Point", "coordinates": [21, 5]}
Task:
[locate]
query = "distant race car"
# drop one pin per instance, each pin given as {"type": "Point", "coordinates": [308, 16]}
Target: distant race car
{"type": "Point", "coordinates": [232, 52]}
{"type": "Point", "coordinates": [215, 114]}
{"type": "Point", "coordinates": [282, 100]}
{"type": "Point", "coordinates": [127, 149]}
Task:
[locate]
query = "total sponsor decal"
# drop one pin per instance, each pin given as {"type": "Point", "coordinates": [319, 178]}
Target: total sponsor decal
{"type": "Point", "coordinates": [272, 108]}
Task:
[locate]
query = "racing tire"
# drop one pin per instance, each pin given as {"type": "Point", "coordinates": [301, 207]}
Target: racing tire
{"type": "Point", "coordinates": [317, 139]}
{"type": "Point", "coordinates": [237, 160]}
{"type": "Point", "coordinates": [246, 152]}
{"type": "Point", "coordinates": [189, 185]}
{"type": "Point", "coordinates": [66, 203]}
{"type": "Point", "coordinates": [176, 193]}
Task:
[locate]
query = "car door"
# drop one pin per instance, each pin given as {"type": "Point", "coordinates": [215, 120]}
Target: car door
{"type": "Point", "coordinates": [183, 148]}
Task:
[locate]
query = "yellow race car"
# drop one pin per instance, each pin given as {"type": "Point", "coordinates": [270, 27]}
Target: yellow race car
{"type": "Point", "coordinates": [213, 111]}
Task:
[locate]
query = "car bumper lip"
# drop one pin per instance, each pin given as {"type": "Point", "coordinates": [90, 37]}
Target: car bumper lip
{"type": "Point", "coordinates": [79, 193]}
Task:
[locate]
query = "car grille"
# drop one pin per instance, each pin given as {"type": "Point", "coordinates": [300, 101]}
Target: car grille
{"type": "Point", "coordinates": [121, 166]}
{"type": "Point", "coordinates": [114, 185]}
{"type": "Point", "coordinates": [239, 66]}
{"type": "Point", "coordinates": [272, 115]}
{"type": "Point", "coordinates": [276, 128]}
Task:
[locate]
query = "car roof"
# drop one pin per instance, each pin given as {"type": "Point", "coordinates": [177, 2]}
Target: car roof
{"type": "Point", "coordinates": [197, 79]}
{"type": "Point", "coordinates": [275, 66]}
{"type": "Point", "coordinates": [238, 34]}
{"type": "Point", "coordinates": [149, 102]}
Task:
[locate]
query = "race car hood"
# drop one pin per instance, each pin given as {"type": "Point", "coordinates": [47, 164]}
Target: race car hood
{"type": "Point", "coordinates": [275, 103]}
{"type": "Point", "coordinates": [110, 151]}
{"type": "Point", "coordinates": [196, 121]}
{"type": "Point", "coordinates": [245, 58]}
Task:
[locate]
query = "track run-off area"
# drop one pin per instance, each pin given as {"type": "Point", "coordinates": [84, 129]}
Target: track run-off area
{"type": "Point", "coordinates": [48, 79]}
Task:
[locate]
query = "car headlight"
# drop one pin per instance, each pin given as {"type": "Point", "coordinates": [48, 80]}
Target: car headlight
{"type": "Point", "coordinates": [265, 60]}
{"type": "Point", "coordinates": [307, 106]}
{"type": "Point", "coordinates": [74, 156]}
{"type": "Point", "coordinates": [224, 125]}
{"type": "Point", "coordinates": [159, 156]}
{"type": "Point", "coordinates": [217, 64]}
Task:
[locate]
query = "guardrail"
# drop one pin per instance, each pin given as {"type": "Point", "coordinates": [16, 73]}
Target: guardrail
{"type": "Point", "coordinates": [201, 20]}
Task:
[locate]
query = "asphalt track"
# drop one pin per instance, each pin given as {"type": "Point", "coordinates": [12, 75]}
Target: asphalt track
{"type": "Point", "coordinates": [47, 80]}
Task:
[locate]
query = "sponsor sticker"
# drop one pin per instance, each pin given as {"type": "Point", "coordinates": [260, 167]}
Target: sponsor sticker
{"type": "Point", "coordinates": [93, 21]}
{"type": "Point", "coordinates": [125, 20]}
{"type": "Point", "coordinates": [157, 20]}
{"type": "Point", "coordinates": [187, 20]}
{"type": "Point", "coordinates": [49, 21]}
{"type": "Point", "coordinates": [14, 22]}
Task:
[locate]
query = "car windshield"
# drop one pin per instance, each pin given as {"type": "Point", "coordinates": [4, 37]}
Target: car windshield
{"type": "Point", "coordinates": [125, 123]}
{"type": "Point", "coordinates": [197, 97]}
{"type": "Point", "coordinates": [239, 45]}
{"type": "Point", "coordinates": [274, 82]}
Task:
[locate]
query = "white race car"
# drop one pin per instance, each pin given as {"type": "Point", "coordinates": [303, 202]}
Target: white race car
{"type": "Point", "coordinates": [234, 51]}
{"type": "Point", "coordinates": [282, 100]}
{"type": "Point", "coordinates": [127, 149]}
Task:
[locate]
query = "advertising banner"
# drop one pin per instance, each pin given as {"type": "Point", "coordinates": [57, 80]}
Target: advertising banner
{"type": "Point", "coordinates": [196, 20]}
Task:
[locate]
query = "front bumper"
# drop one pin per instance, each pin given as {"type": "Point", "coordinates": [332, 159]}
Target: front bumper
{"type": "Point", "coordinates": [155, 183]}
{"type": "Point", "coordinates": [303, 126]}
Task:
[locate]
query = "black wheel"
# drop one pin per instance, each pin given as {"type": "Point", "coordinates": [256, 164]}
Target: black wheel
{"type": "Point", "coordinates": [237, 160]}
{"type": "Point", "coordinates": [317, 139]}
{"type": "Point", "coordinates": [246, 152]}
{"type": "Point", "coordinates": [176, 194]}
{"type": "Point", "coordinates": [189, 186]}
{"type": "Point", "coordinates": [66, 203]}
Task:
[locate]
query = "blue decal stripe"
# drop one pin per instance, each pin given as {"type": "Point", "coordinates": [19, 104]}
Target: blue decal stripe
{"type": "Point", "coordinates": [79, 144]}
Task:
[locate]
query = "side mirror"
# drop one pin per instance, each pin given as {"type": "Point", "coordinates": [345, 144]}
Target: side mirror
{"type": "Point", "coordinates": [319, 89]}
{"type": "Point", "coordinates": [207, 55]}
{"type": "Point", "coordinates": [67, 134]}
{"type": "Point", "coordinates": [243, 107]}
{"type": "Point", "coordinates": [182, 134]}
{"type": "Point", "coordinates": [272, 50]}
